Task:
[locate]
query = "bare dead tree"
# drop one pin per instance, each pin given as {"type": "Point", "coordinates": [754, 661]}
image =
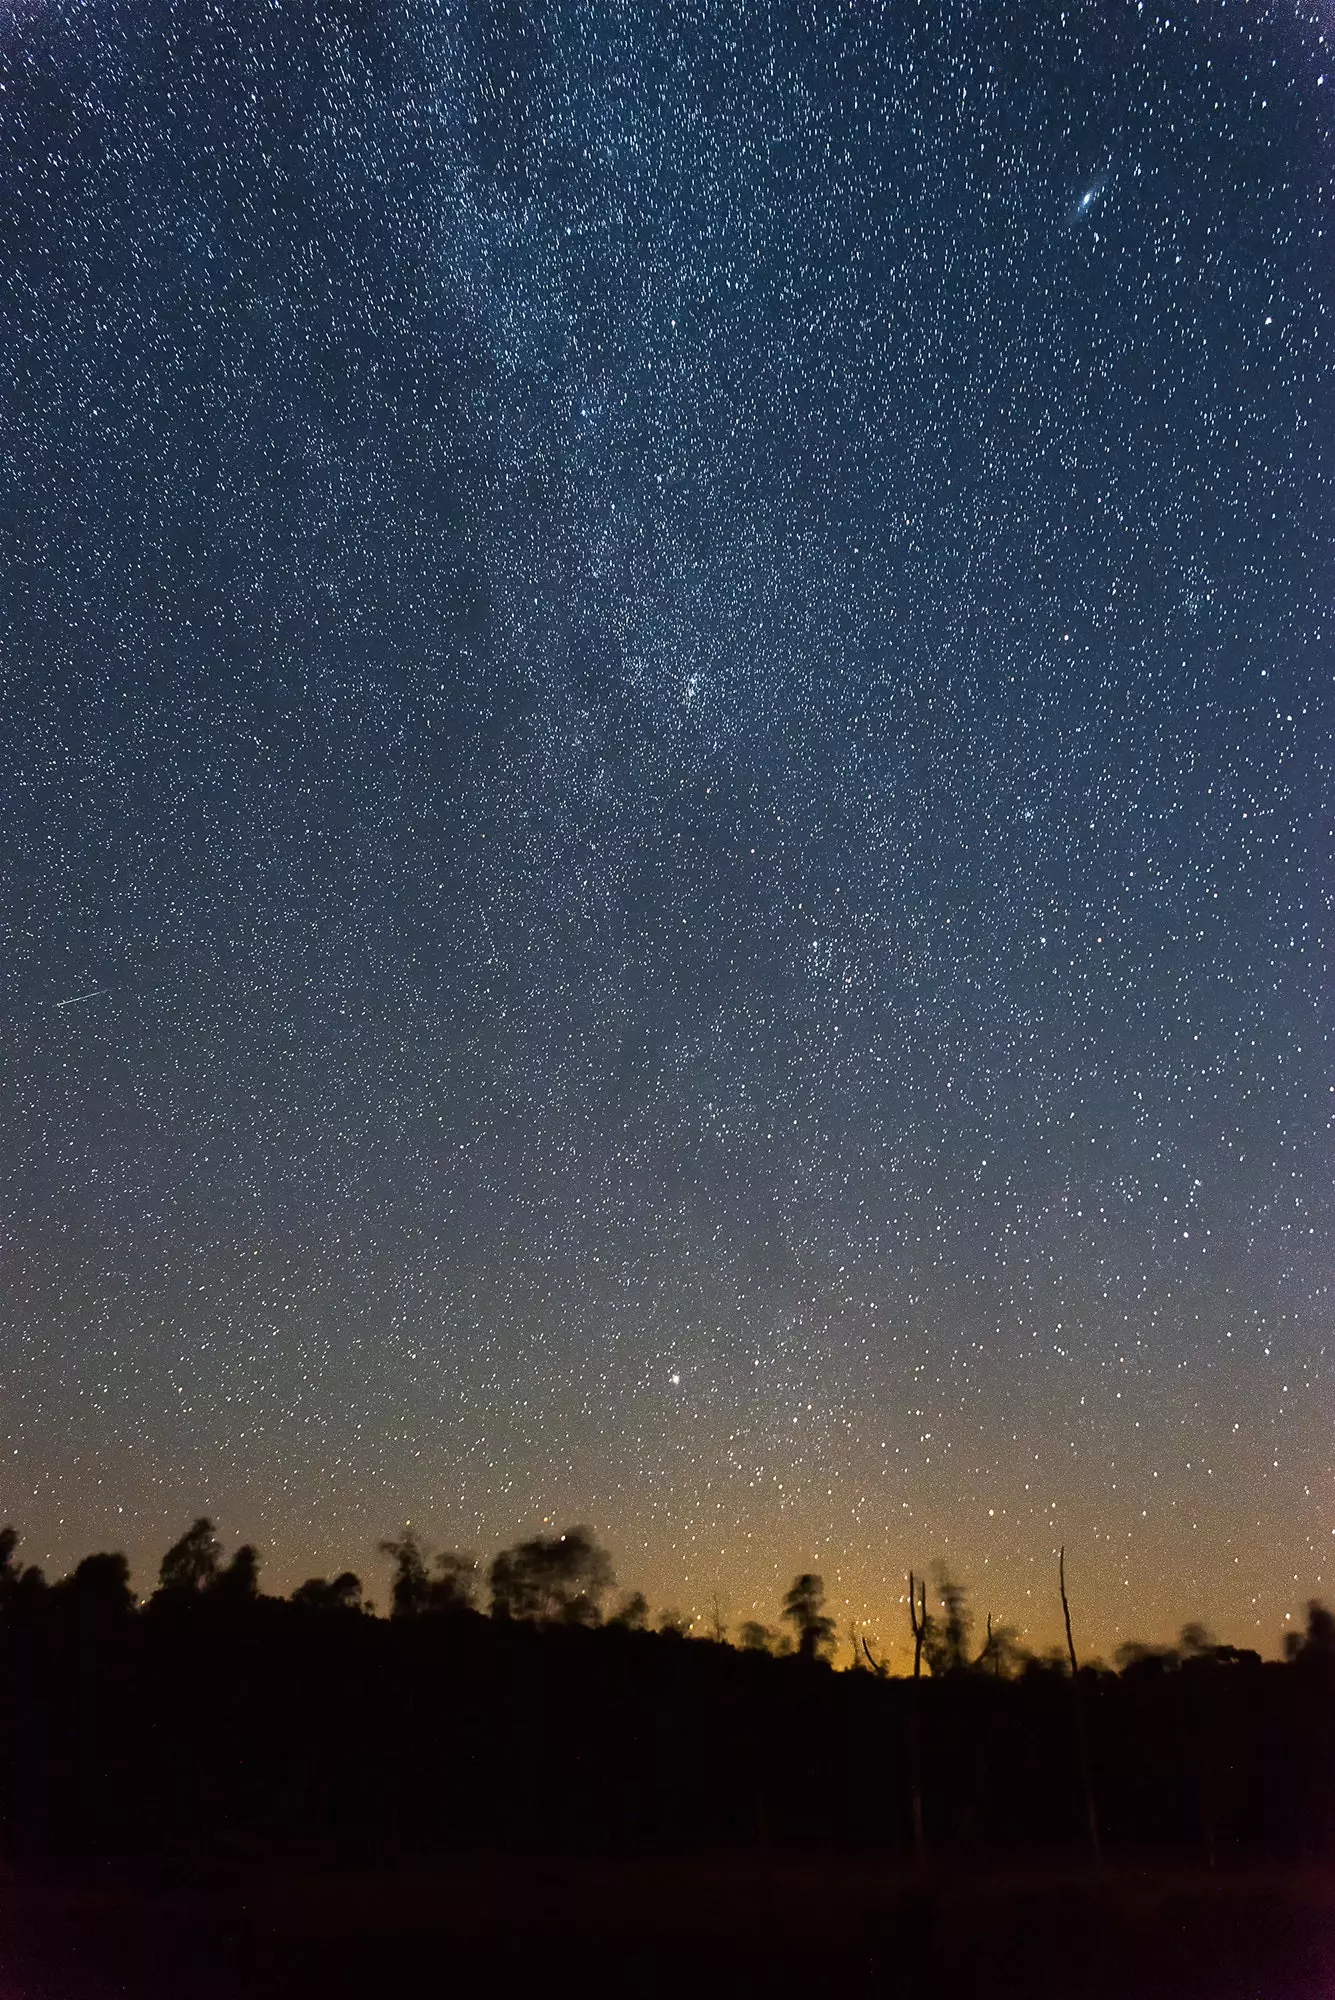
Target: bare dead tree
{"type": "Point", "coordinates": [991, 1653]}
{"type": "Point", "coordinates": [918, 1624]}
{"type": "Point", "coordinates": [1081, 1739]}
{"type": "Point", "coordinates": [878, 1667]}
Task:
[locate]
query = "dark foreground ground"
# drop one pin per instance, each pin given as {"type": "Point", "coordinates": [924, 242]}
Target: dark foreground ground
{"type": "Point", "coordinates": [740, 1927]}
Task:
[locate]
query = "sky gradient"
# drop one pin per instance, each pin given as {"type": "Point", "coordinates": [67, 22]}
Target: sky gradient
{"type": "Point", "coordinates": [666, 792]}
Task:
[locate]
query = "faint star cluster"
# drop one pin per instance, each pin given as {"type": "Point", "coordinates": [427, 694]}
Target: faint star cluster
{"type": "Point", "coordinates": [666, 685]}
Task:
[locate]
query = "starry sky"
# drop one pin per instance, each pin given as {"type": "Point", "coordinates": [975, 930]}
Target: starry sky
{"type": "Point", "coordinates": [665, 791]}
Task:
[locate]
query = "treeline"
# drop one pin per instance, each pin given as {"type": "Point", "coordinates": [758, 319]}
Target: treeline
{"type": "Point", "coordinates": [528, 1705]}
{"type": "Point", "coordinates": [568, 1579]}
{"type": "Point", "coordinates": [561, 1579]}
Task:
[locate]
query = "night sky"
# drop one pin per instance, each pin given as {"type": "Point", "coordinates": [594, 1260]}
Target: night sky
{"type": "Point", "coordinates": [665, 792]}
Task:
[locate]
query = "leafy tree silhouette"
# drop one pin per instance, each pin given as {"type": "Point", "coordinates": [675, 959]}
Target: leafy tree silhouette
{"type": "Point", "coordinates": [410, 1592]}
{"type": "Point", "coordinates": [23, 1591]}
{"type": "Point", "coordinates": [10, 1570]}
{"type": "Point", "coordinates": [237, 1583]}
{"type": "Point", "coordinates": [190, 1565]}
{"type": "Point", "coordinates": [946, 1639]}
{"type": "Point", "coordinates": [1316, 1645]}
{"type": "Point", "coordinates": [31, 1591]}
{"type": "Point", "coordinates": [415, 1591]}
{"type": "Point", "coordinates": [453, 1588]}
{"type": "Point", "coordinates": [558, 1580]}
{"type": "Point", "coordinates": [632, 1614]}
{"type": "Point", "coordinates": [1139, 1663]}
{"type": "Point", "coordinates": [1002, 1655]}
{"type": "Point", "coordinates": [318, 1593]}
{"type": "Point", "coordinates": [754, 1637]}
{"type": "Point", "coordinates": [98, 1589]}
{"type": "Point", "coordinates": [804, 1610]}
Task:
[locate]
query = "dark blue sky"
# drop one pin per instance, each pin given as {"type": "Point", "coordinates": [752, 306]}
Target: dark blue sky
{"type": "Point", "coordinates": [672, 666]}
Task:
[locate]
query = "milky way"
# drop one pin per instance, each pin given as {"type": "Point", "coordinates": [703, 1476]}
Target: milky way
{"type": "Point", "coordinates": [666, 694]}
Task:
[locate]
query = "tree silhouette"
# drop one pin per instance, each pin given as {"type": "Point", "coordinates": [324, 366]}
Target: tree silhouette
{"type": "Point", "coordinates": [414, 1589]}
{"type": "Point", "coordinates": [947, 1639]}
{"type": "Point", "coordinates": [410, 1592]}
{"type": "Point", "coordinates": [23, 1590]}
{"type": "Point", "coordinates": [1140, 1663]}
{"type": "Point", "coordinates": [632, 1614]}
{"type": "Point", "coordinates": [804, 1610]}
{"type": "Point", "coordinates": [1081, 1734]}
{"type": "Point", "coordinates": [1316, 1645]}
{"type": "Point", "coordinates": [919, 1621]}
{"type": "Point", "coordinates": [921, 1627]}
{"type": "Point", "coordinates": [192, 1564]}
{"type": "Point", "coordinates": [1002, 1654]}
{"type": "Point", "coordinates": [238, 1582]}
{"type": "Point", "coordinates": [562, 1579]}
{"type": "Point", "coordinates": [879, 1667]}
{"type": "Point", "coordinates": [318, 1593]}
{"type": "Point", "coordinates": [98, 1589]}
{"type": "Point", "coordinates": [453, 1588]}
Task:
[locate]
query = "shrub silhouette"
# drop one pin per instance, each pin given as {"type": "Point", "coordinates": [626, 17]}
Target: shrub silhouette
{"type": "Point", "coordinates": [758, 1638]}
{"type": "Point", "coordinates": [1002, 1655]}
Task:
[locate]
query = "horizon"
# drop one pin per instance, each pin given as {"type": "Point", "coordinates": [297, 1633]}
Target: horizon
{"type": "Point", "coordinates": [888, 1640]}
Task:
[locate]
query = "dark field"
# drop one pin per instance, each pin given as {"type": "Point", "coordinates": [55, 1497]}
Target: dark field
{"type": "Point", "coordinates": [667, 1926]}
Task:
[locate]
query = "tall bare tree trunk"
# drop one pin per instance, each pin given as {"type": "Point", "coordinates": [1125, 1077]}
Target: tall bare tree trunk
{"type": "Point", "coordinates": [918, 1622]}
{"type": "Point", "coordinates": [1081, 1740]}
